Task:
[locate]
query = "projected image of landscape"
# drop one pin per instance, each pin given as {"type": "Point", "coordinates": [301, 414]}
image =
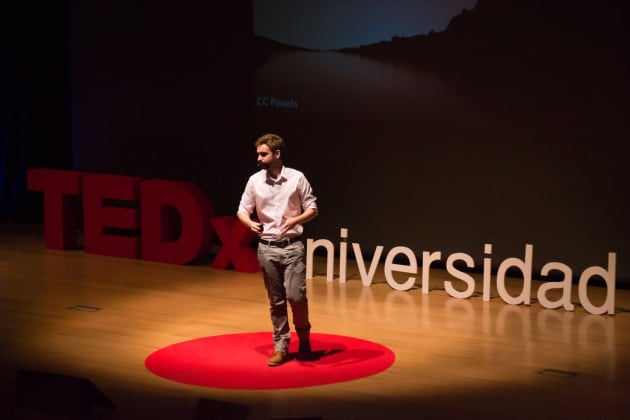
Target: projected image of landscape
{"type": "Point", "coordinates": [451, 123]}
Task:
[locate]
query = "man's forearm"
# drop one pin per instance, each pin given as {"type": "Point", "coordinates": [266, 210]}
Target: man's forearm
{"type": "Point", "coordinates": [245, 219]}
{"type": "Point", "coordinates": [307, 216]}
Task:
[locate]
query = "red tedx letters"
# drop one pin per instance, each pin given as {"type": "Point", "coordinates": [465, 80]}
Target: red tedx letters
{"type": "Point", "coordinates": [130, 217]}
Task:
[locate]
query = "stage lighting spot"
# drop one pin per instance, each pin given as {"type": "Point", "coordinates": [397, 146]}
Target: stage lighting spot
{"type": "Point", "coordinates": [239, 361]}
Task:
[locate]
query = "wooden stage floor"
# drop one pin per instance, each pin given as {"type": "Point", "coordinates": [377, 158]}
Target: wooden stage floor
{"type": "Point", "coordinates": [455, 358]}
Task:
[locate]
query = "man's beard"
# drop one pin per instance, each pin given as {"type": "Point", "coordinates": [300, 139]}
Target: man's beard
{"type": "Point", "coordinates": [263, 165]}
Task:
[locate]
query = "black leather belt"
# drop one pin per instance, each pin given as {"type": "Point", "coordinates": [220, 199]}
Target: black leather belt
{"type": "Point", "coordinates": [280, 244]}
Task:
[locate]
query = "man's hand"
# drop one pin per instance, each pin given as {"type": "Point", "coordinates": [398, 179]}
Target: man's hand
{"type": "Point", "coordinates": [290, 222]}
{"type": "Point", "coordinates": [256, 227]}
{"type": "Point", "coordinates": [287, 224]}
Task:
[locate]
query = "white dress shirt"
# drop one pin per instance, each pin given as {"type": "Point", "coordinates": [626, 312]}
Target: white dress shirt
{"type": "Point", "coordinates": [277, 199]}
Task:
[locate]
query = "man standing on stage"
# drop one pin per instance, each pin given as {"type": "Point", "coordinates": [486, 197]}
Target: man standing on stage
{"type": "Point", "coordinates": [283, 201]}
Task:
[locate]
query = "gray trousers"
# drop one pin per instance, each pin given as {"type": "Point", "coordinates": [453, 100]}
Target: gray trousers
{"type": "Point", "coordinates": [284, 273]}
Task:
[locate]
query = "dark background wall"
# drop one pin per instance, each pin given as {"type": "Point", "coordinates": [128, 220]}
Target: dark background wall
{"type": "Point", "coordinates": [35, 114]}
{"type": "Point", "coordinates": [508, 127]}
{"type": "Point", "coordinates": [164, 91]}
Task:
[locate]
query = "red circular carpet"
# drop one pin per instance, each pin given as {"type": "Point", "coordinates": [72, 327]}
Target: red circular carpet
{"type": "Point", "coordinates": [239, 361]}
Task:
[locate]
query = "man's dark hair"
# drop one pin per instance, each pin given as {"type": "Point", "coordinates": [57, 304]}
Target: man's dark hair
{"type": "Point", "coordinates": [273, 141]}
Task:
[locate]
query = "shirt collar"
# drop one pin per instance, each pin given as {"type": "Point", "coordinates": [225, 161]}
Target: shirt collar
{"type": "Point", "coordinates": [281, 178]}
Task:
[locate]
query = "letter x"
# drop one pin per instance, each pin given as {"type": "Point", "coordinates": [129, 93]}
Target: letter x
{"type": "Point", "coordinates": [236, 246]}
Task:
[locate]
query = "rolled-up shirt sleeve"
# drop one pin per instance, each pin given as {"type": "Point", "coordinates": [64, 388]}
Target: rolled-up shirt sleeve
{"type": "Point", "coordinates": [247, 203]}
{"type": "Point", "coordinates": [309, 201]}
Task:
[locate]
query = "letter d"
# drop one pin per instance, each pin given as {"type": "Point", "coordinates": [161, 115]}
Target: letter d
{"type": "Point", "coordinates": [609, 278]}
{"type": "Point", "coordinates": [169, 206]}
{"type": "Point", "coordinates": [525, 266]}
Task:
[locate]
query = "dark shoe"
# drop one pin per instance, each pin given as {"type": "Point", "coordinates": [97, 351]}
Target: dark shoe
{"type": "Point", "coordinates": [304, 352]}
{"type": "Point", "coordinates": [278, 358]}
